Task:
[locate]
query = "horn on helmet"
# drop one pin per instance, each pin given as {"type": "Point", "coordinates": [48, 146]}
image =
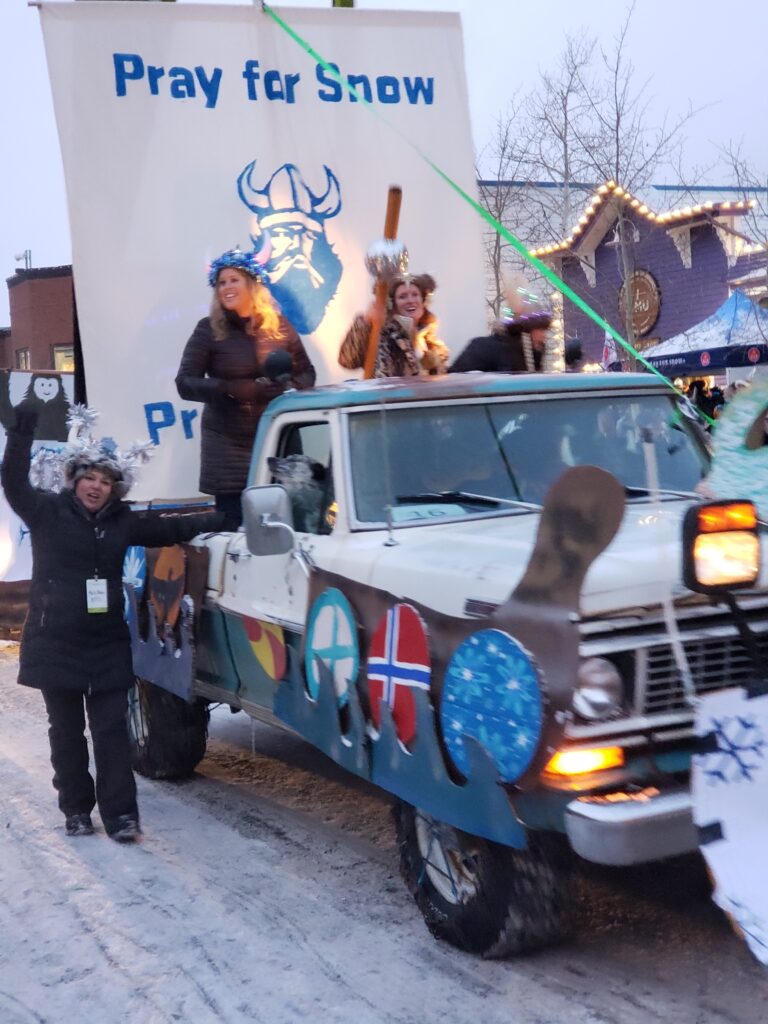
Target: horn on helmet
{"type": "Point", "coordinates": [255, 199]}
{"type": "Point", "coordinates": [263, 253]}
{"type": "Point", "coordinates": [329, 204]}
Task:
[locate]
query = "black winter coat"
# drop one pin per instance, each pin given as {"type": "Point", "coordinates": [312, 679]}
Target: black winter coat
{"type": "Point", "coordinates": [501, 352]}
{"type": "Point", "coordinates": [209, 369]}
{"type": "Point", "coordinates": [64, 646]}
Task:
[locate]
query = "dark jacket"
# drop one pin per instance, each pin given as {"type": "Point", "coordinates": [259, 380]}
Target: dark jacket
{"type": "Point", "coordinates": [64, 646]}
{"type": "Point", "coordinates": [500, 352]}
{"type": "Point", "coordinates": [222, 374]}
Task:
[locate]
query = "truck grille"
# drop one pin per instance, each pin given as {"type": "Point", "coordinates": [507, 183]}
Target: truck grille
{"type": "Point", "coordinates": [715, 663]}
{"type": "Point", "coordinates": [637, 643]}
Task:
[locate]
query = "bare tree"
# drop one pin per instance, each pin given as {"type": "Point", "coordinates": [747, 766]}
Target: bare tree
{"type": "Point", "coordinates": [752, 185]}
{"type": "Point", "coordinates": [589, 122]}
{"type": "Point", "coordinates": [506, 160]}
{"type": "Point", "coordinates": [558, 115]}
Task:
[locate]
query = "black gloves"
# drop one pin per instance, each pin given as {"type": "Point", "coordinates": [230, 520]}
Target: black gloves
{"type": "Point", "coordinates": [26, 418]}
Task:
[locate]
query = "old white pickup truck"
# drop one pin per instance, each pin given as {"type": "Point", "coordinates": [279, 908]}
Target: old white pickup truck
{"type": "Point", "coordinates": [468, 590]}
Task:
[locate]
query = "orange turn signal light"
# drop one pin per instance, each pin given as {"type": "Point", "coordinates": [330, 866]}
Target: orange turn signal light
{"type": "Point", "coordinates": [736, 515]}
{"type": "Point", "coordinates": [581, 762]}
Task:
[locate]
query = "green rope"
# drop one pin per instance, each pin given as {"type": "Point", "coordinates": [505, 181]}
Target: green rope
{"type": "Point", "coordinates": [515, 242]}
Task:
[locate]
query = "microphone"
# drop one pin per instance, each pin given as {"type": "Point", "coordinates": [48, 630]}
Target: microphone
{"type": "Point", "coordinates": [278, 366]}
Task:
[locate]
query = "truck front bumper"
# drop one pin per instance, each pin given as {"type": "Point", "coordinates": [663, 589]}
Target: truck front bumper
{"type": "Point", "coordinates": [631, 828]}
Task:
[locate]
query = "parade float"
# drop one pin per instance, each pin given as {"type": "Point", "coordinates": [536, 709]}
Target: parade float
{"type": "Point", "coordinates": [500, 599]}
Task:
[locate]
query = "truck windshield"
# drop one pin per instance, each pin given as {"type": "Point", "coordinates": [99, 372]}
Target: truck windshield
{"type": "Point", "coordinates": [441, 460]}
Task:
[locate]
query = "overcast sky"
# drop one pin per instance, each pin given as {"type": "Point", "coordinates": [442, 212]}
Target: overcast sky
{"type": "Point", "coordinates": [693, 50]}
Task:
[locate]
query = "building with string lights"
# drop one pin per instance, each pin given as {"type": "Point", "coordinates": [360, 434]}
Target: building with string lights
{"type": "Point", "coordinates": [681, 265]}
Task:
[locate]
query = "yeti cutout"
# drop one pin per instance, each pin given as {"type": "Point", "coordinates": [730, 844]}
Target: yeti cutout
{"type": "Point", "coordinates": [304, 480]}
{"type": "Point", "coordinates": [303, 269]}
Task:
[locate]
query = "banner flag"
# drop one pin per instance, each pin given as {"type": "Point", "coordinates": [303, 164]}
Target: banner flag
{"type": "Point", "coordinates": [190, 129]}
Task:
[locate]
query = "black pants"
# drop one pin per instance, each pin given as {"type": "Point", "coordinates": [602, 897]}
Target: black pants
{"type": "Point", "coordinates": [115, 790]}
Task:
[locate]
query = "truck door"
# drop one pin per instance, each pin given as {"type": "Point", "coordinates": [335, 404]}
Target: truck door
{"type": "Point", "coordinates": [271, 591]}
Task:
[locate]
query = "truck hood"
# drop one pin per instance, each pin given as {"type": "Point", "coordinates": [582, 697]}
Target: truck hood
{"type": "Point", "coordinates": [444, 566]}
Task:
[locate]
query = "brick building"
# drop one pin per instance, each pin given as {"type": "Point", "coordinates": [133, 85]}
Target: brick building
{"type": "Point", "coordinates": [683, 265]}
{"type": "Point", "coordinates": [42, 331]}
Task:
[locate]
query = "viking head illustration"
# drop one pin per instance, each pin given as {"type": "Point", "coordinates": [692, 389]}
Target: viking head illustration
{"type": "Point", "coordinates": [303, 269]}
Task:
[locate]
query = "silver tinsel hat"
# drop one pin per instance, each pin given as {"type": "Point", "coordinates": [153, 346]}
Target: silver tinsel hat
{"type": "Point", "coordinates": [53, 470]}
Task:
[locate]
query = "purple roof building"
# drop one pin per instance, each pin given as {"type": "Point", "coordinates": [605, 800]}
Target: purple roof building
{"type": "Point", "coordinates": [683, 265]}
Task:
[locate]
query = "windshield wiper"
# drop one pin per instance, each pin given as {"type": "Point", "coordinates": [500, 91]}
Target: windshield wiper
{"type": "Point", "coordinates": [446, 497]}
{"type": "Point", "coordinates": [645, 492]}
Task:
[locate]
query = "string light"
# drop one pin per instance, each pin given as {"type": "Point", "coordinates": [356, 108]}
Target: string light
{"type": "Point", "coordinates": [609, 188]}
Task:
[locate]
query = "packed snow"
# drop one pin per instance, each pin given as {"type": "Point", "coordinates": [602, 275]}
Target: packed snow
{"type": "Point", "coordinates": [266, 889]}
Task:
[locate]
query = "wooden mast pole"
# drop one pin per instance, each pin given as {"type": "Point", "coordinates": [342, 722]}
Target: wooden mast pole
{"type": "Point", "coordinates": [391, 220]}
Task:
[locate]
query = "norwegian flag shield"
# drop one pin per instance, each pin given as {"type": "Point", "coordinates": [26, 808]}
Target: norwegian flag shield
{"type": "Point", "coordinates": [398, 663]}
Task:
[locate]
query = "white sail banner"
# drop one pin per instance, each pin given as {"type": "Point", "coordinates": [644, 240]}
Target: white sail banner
{"type": "Point", "coordinates": [190, 129]}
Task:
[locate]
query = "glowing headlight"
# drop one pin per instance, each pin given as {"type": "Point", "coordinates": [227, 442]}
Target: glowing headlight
{"type": "Point", "coordinates": [726, 559]}
{"type": "Point", "coordinates": [598, 691]}
{"type": "Point", "coordinates": [721, 547]}
{"type": "Point", "coordinates": [584, 762]}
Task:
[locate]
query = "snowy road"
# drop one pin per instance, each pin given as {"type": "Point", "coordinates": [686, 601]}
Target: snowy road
{"type": "Point", "coordinates": [266, 889]}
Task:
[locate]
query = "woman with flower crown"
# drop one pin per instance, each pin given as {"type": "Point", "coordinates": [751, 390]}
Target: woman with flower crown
{"type": "Point", "coordinates": [223, 366]}
{"type": "Point", "coordinates": [75, 646]}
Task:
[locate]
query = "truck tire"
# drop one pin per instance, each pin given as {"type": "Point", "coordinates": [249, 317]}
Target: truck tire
{"type": "Point", "coordinates": [480, 896]}
{"type": "Point", "coordinates": [167, 735]}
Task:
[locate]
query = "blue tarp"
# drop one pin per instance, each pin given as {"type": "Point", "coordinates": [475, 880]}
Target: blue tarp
{"type": "Point", "coordinates": [734, 335]}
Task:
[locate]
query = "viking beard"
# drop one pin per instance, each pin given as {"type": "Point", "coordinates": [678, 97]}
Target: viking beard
{"type": "Point", "coordinates": [302, 289]}
{"type": "Point", "coordinates": [298, 264]}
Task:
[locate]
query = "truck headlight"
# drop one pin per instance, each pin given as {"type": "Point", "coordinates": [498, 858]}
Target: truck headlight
{"type": "Point", "coordinates": [721, 547]}
{"type": "Point", "coordinates": [599, 690]}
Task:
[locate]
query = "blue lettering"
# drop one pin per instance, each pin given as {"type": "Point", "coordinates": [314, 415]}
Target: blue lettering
{"type": "Point", "coordinates": [159, 415]}
{"type": "Point", "coordinates": [128, 67]}
{"type": "Point", "coordinates": [154, 74]}
{"type": "Point", "coordinates": [273, 85]}
{"type": "Point", "coordinates": [334, 91]}
{"type": "Point", "coordinates": [291, 81]}
{"type": "Point", "coordinates": [415, 87]}
{"type": "Point", "coordinates": [251, 74]}
{"type": "Point", "coordinates": [187, 416]}
{"type": "Point", "coordinates": [210, 86]}
{"type": "Point", "coordinates": [388, 89]}
{"type": "Point", "coordinates": [183, 84]}
{"type": "Point", "coordinates": [362, 85]}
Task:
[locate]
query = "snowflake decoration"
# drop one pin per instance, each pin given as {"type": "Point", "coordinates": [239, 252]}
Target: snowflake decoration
{"type": "Point", "coordinates": [741, 750]}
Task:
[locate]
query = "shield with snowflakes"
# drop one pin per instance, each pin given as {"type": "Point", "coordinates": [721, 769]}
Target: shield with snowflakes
{"type": "Point", "coordinates": [398, 663]}
{"type": "Point", "coordinates": [332, 649]}
{"type": "Point", "coordinates": [492, 694]}
{"type": "Point", "coordinates": [268, 645]}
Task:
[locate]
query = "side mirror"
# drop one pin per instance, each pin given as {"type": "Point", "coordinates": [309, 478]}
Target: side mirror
{"type": "Point", "coordinates": [721, 546]}
{"type": "Point", "coordinates": [268, 520]}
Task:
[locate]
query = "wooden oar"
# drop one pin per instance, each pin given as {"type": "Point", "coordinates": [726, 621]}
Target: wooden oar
{"type": "Point", "coordinates": [394, 198]}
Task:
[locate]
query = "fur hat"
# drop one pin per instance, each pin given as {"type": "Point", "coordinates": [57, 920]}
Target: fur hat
{"type": "Point", "coordinates": [101, 457]}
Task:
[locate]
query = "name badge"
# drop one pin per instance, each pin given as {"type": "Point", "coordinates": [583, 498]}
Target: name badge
{"type": "Point", "coordinates": [96, 596]}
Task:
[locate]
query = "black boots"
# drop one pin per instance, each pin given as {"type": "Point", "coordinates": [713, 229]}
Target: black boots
{"type": "Point", "coordinates": [78, 825]}
{"type": "Point", "coordinates": [123, 829]}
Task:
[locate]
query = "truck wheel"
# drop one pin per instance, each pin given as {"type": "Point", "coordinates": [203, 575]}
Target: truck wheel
{"type": "Point", "coordinates": [478, 895]}
{"type": "Point", "coordinates": [167, 735]}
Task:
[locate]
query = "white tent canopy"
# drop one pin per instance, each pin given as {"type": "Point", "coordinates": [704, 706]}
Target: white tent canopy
{"type": "Point", "coordinates": [736, 334]}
